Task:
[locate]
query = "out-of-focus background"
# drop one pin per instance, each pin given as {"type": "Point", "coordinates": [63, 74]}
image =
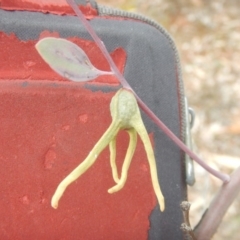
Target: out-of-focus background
{"type": "Point", "coordinates": [207, 35]}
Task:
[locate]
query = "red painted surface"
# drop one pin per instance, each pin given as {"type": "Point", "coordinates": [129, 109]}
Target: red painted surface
{"type": "Point", "coordinates": [46, 6]}
{"type": "Point", "coordinates": [47, 127]}
{"type": "Point", "coordinates": [29, 65]}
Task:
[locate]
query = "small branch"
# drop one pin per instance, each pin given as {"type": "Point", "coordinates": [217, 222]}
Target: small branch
{"type": "Point", "coordinates": [123, 81]}
{"type": "Point", "coordinates": [186, 226]}
{"type": "Point", "coordinates": [213, 216]}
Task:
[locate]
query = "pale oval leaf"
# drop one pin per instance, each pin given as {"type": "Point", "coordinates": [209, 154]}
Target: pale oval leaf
{"type": "Point", "coordinates": [67, 59]}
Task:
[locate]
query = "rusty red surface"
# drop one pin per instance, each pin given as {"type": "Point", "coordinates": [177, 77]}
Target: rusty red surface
{"type": "Point", "coordinates": [48, 125]}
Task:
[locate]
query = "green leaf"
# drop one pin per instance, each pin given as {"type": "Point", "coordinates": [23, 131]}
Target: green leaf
{"type": "Point", "coordinates": [68, 59]}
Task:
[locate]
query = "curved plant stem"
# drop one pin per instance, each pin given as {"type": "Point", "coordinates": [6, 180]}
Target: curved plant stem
{"type": "Point", "coordinates": [213, 216]}
{"type": "Point", "coordinates": [155, 119]}
{"type": "Point", "coordinates": [178, 142]}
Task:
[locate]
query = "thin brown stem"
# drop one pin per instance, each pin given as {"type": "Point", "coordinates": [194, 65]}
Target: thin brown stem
{"type": "Point", "coordinates": [186, 226]}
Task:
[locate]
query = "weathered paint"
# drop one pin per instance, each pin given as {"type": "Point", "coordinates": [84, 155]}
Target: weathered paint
{"type": "Point", "coordinates": [59, 7]}
{"type": "Point", "coordinates": [47, 127]}
{"type": "Point", "coordinates": [20, 60]}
